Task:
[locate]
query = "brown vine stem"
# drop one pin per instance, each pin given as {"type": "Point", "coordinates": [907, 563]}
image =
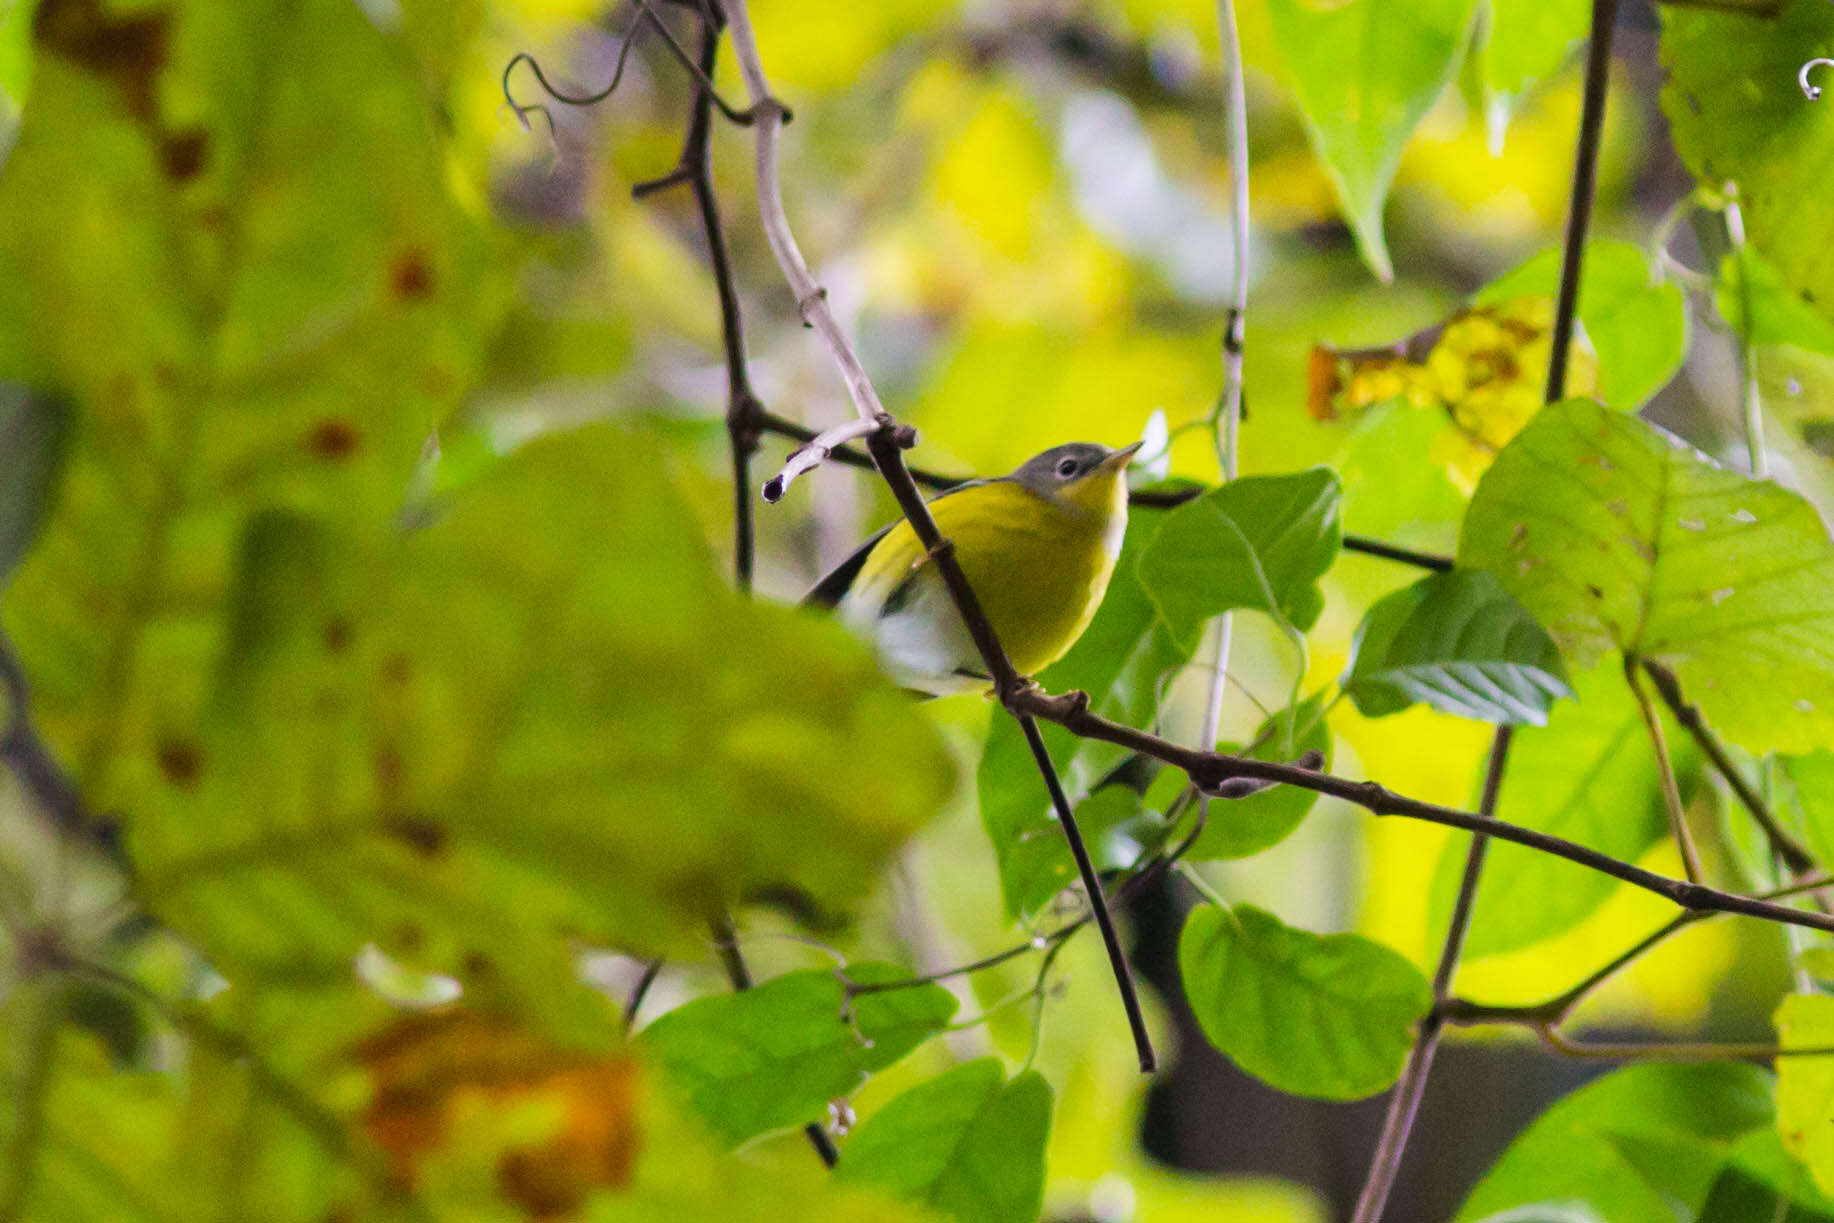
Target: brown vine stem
{"type": "Point", "coordinates": [1795, 856]}
{"type": "Point", "coordinates": [1211, 770]}
{"type": "Point", "coordinates": [1546, 1016]}
{"type": "Point", "coordinates": [848, 456]}
{"type": "Point", "coordinates": [885, 444]}
{"type": "Point", "coordinates": [1665, 771]}
{"type": "Point", "coordinates": [695, 168]}
{"type": "Point", "coordinates": [1405, 1101]}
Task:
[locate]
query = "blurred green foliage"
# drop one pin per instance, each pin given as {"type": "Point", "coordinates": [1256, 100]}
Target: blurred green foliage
{"type": "Point", "coordinates": [398, 674]}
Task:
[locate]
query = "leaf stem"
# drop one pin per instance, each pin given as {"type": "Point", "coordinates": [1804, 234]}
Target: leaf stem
{"type": "Point", "coordinates": [1665, 771]}
{"type": "Point", "coordinates": [1795, 856]}
{"type": "Point", "coordinates": [1750, 395]}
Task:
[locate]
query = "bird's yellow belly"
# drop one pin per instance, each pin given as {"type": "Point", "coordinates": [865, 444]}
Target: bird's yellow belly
{"type": "Point", "coordinates": [1039, 571]}
{"type": "Point", "coordinates": [1038, 609]}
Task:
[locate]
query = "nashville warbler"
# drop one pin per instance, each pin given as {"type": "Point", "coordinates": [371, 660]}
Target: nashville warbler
{"type": "Point", "coordinates": [1038, 547]}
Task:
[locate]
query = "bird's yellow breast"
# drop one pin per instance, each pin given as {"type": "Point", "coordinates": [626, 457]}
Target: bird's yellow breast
{"type": "Point", "coordinates": [1038, 565]}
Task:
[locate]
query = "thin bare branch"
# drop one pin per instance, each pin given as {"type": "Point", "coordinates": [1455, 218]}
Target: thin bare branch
{"type": "Point", "coordinates": [1795, 856]}
{"type": "Point", "coordinates": [1404, 1101]}
{"type": "Point", "coordinates": [885, 445]}
{"type": "Point", "coordinates": [811, 454]}
{"type": "Point", "coordinates": [1208, 770]}
{"type": "Point", "coordinates": [1665, 772]}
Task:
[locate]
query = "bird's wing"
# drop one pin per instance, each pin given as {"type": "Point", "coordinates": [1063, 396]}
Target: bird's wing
{"type": "Point", "coordinates": [835, 584]}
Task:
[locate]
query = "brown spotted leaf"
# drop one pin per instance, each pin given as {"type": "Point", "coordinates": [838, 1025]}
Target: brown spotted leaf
{"type": "Point", "coordinates": [1616, 536]}
{"type": "Point", "coordinates": [264, 296]}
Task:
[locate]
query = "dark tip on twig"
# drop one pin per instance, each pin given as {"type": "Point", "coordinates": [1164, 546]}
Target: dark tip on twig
{"type": "Point", "coordinates": [644, 14]}
{"type": "Point", "coordinates": [773, 489]}
{"type": "Point", "coordinates": [1810, 90]}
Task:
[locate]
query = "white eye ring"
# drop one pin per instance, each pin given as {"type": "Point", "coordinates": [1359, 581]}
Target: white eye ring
{"type": "Point", "coordinates": [1066, 468]}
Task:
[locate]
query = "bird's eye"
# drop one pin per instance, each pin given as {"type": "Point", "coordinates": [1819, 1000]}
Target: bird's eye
{"type": "Point", "coordinates": [1066, 468]}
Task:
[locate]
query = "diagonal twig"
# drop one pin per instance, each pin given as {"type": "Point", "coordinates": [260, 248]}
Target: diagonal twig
{"type": "Point", "coordinates": [885, 444]}
{"type": "Point", "coordinates": [1795, 856]}
{"type": "Point", "coordinates": [1009, 685]}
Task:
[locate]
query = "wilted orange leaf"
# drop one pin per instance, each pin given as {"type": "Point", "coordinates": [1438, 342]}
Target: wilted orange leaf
{"type": "Point", "coordinates": [1485, 368]}
{"type": "Point", "coordinates": [431, 1070]}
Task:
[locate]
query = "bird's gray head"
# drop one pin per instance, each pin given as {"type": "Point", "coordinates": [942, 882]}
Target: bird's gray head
{"type": "Point", "coordinates": [1047, 474]}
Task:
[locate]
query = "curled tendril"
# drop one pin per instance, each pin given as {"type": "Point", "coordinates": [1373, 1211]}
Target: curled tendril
{"type": "Point", "coordinates": [1810, 90]}
{"type": "Point", "coordinates": [522, 111]}
{"type": "Point", "coordinates": [644, 14]}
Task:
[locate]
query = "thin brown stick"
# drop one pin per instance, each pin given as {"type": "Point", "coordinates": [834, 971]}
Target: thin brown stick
{"type": "Point", "coordinates": [1555, 1010]}
{"type": "Point", "coordinates": [848, 456]}
{"type": "Point", "coordinates": [1795, 856]}
{"type": "Point", "coordinates": [1404, 1101]}
{"type": "Point", "coordinates": [1209, 770]}
{"type": "Point", "coordinates": [885, 445]}
{"type": "Point", "coordinates": [1665, 772]}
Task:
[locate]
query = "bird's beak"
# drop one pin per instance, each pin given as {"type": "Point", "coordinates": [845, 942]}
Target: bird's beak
{"type": "Point", "coordinates": [1120, 458]}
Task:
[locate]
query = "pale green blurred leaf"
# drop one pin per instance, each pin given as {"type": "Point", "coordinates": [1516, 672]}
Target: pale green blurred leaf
{"type": "Point", "coordinates": [969, 1144]}
{"type": "Point", "coordinates": [265, 297]}
{"type": "Point", "coordinates": [1752, 297]}
{"type": "Point", "coordinates": [774, 1056]}
{"type": "Point", "coordinates": [1737, 114]}
{"type": "Point", "coordinates": [1458, 642]}
{"type": "Point", "coordinates": [1259, 543]}
{"type": "Point", "coordinates": [1805, 1085]}
{"type": "Point", "coordinates": [1328, 1016]}
{"type": "Point", "coordinates": [1636, 326]}
{"type": "Point", "coordinates": [1760, 1180]}
{"type": "Point", "coordinates": [1524, 43]}
{"type": "Point", "coordinates": [480, 732]}
{"type": "Point", "coordinates": [1643, 1143]}
{"type": "Point", "coordinates": [84, 1141]}
{"type": "Point", "coordinates": [1365, 73]}
{"type": "Point", "coordinates": [1615, 535]}
{"type": "Point", "coordinates": [1588, 776]}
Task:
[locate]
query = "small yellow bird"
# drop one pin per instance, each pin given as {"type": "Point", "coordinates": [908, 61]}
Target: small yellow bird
{"type": "Point", "coordinates": [1038, 547]}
